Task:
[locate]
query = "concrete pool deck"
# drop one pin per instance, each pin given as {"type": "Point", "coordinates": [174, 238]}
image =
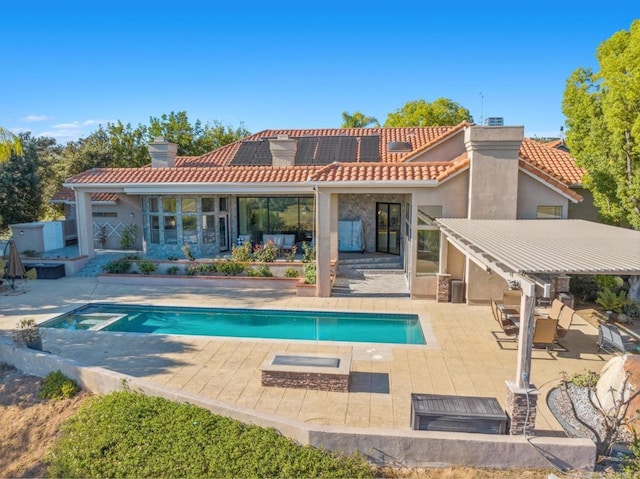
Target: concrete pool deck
{"type": "Point", "coordinates": [461, 357]}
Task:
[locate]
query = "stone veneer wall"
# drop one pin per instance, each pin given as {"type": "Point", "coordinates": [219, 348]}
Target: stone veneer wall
{"type": "Point", "coordinates": [306, 380]}
{"type": "Point", "coordinates": [521, 409]}
{"type": "Point", "coordinates": [353, 207]}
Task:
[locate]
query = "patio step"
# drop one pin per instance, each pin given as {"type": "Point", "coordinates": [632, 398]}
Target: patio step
{"type": "Point", "coordinates": [370, 264]}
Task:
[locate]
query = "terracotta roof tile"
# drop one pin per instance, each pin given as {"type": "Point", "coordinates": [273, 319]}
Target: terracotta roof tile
{"type": "Point", "coordinates": [549, 179]}
{"type": "Point", "coordinates": [67, 195]}
{"type": "Point", "coordinates": [552, 161]}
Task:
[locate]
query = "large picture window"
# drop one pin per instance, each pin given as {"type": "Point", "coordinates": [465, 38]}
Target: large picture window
{"type": "Point", "coordinates": [286, 215]}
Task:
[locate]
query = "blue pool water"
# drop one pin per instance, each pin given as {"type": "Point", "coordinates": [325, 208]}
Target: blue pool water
{"type": "Point", "coordinates": [246, 323]}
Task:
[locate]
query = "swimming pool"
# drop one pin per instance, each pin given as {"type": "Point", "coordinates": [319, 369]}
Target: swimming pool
{"type": "Point", "coordinates": [245, 323]}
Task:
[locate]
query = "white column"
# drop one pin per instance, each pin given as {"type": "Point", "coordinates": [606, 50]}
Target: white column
{"type": "Point", "coordinates": [527, 315]}
{"type": "Point", "coordinates": [323, 243]}
{"type": "Point", "coordinates": [84, 224]}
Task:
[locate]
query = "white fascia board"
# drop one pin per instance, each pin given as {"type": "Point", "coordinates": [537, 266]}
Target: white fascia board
{"type": "Point", "coordinates": [229, 188]}
{"type": "Point", "coordinates": [377, 184]}
{"type": "Point", "coordinates": [549, 185]}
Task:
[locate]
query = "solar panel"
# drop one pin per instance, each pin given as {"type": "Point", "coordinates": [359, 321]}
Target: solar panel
{"type": "Point", "coordinates": [370, 148]}
{"type": "Point", "coordinates": [306, 150]}
{"type": "Point", "coordinates": [252, 153]}
{"type": "Point", "coordinates": [347, 149]}
{"type": "Point", "coordinates": [327, 150]}
{"type": "Point", "coordinates": [245, 153]}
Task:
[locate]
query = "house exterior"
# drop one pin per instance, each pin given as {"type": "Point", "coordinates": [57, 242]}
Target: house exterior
{"type": "Point", "coordinates": [383, 186]}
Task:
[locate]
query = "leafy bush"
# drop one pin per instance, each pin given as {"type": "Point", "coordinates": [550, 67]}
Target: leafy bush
{"type": "Point", "coordinates": [290, 272]}
{"type": "Point", "coordinates": [261, 271]}
{"type": "Point", "coordinates": [186, 250]}
{"type": "Point", "coordinates": [308, 253]}
{"type": "Point", "coordinates": [58, 386]}
{"type": "Point", "coordinates": [266, 253]}
{"type": "Point", "coordinates": [31, 253]}
{"type": "Point", "coordinates": [632, 464]}
{"type": "Point", "coordinates": [117, 266]}
{"type": "Point", "coordinates": [611, 301]}
{"type": "Point", "coordinates": [291, 256]}
{"type": "Point", "coordinates": [241, 253]}
{"type": "Point", "coordinates": [146, 266]}
{"type": "Point", "coordinates": [172, 270]}
{"type": "Point", "coordinates": [207, 268]}
{"type": "Point", "coordinates": [310, 273]}
{"type": "Point", "coordinates": [172, 258]}
{"type": "Point", "coordinates": [230, 268]}
{"type": "Point", "coordinates": [587, 379]}
{"type": "Point", "coordinates": [128, 236]}
{"type": "Point", "coordinates": [191, 269]}
{"type": "Point", "coordinates": [130, 435]}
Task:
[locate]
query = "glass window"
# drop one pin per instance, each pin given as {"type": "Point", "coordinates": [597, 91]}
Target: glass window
{"type": "Point", "coordinates": [170, 230]}
{"type": "Point", "coordinates": [428, 251]}
{"type": "Point", "coordinates": [426, 214]}
{"type": "Point", "coordinates": [253, 217]}
{"type": "Point", "coordinates": [189, 229]}
{"type": "Point", "coordinates": [169, 205]}
{"type": "Point", "coordinates": [307, 219]}
{"type": "Point", "coordinates": [188, 205]}
{"type": "Point", "coordinates": [207, 205]}
{"type": "Point", "coordinates": [104, 214]}
{"type": "Point", "coordinates": [283, 215]}
{"type": "Point", "coordinates": [223, 205]}
{"type": "Point", "coordinates": [153, 205]}
{"type": "Point", "coordinates": [208, 229]}
{"type": "Point", "coordinates": [549, 212]}
{"type": "Point", "coordinates": [155, 229]}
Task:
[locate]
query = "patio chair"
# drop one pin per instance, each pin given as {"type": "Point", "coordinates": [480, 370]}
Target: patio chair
{"type": "Point", "coordinates": [556, 308]}
{"type": "Point", "coordinates": [610, 340]}
{"type": "Point", "coordinates": [508, 327]}
{"type": "Point", "coordinates": [288, 242]}
{"type": "Point", "coordinates": [564, 321]}
{"type": "Point", "coordinates": [544, 332]}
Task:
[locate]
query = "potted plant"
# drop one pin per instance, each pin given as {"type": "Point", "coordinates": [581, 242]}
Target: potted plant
{"type": "Point", "coordinates": [28, 333]}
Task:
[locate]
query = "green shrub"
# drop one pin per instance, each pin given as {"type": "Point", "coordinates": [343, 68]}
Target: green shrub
{"type": "Point", "coordinates": [186, 250]}
{"type": "Point", "coordinates": [172, 258]}
{"type": "Point", "coordinates": [308, 253]}
{"type": "Point", "coordinates": [611, 301]}
{"type": "Point", "coordinates": [173, 270]}
{"type": "Point", "coordinates": [31, 253]}
{"type": "Point", "coordinates": [266, 253]}
{"type": "Point", "coordinates": [587, 379]}
{"type": "Point", "coordinates": [191, 269]}
{"type": "Point", "coordinates": [117, 266]}
{"type": "Point", "coordinates": [230, 268]}
{"type": "Point", "coordinates": [291, 255]}
{"type": "Point", "coordinates": [207, 268]}
{"type": "Point", "coordinates": [126, 434]}
{"type": "Point", "coordinates": [261, 271]}
{"type": "Point", "coordinates": [128, 237]}
{"type": "Point", "coordinates": [146, 267]}
{"type": "Point", "coordinates": [290, 272]}
{"type": "Point", "coordinates": [241, 253]}
{"type": "Point", "coordinates": [632, 463]}
{"type": "Point", "coordinates": [310, 273]}
{"type": "Point", "coordinates": [58, 386]}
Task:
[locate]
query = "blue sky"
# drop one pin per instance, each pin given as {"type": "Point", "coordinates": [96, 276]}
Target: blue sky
{"type": "Point", "coordinates": [69, 66]}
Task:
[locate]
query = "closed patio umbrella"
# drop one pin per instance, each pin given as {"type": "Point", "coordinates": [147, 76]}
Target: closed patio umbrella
{"type": "Point", "coordinates": [14, 267]}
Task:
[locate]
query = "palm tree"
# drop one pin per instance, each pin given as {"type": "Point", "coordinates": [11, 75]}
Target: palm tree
{"type": "Point", "coordinates": [358, 120]}
{"type": "Point", "coordinates": [9, 143]}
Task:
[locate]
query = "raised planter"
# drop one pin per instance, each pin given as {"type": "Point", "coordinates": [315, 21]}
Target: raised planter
{"type": "Point", "coordinates": [208, 281]}
{"type": "Point", "coordinates": [305, 289]}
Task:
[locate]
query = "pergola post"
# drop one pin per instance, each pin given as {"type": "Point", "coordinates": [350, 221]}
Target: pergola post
{"type": "Point", "coordinates": [84, 224]}
{"type": "Point", "coordinates": [521, 395]}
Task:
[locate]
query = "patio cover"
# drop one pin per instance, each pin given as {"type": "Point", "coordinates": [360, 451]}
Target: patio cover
{"type": "Point", "coordinates": [533, 247]}
{"type": "Point", "coordinates": [524, 250]}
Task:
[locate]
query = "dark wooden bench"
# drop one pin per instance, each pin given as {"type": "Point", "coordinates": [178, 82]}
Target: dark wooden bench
{"type": "Point", "coordinates": [435, 412]}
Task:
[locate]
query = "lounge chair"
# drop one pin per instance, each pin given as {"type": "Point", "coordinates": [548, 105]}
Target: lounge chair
{"type": "Point", "coordinates": [556, 308]}
{"type": "Point", "coordinates": [544, 332]}
{"type": "Point", "coordinates": [288, 242]}
{"type": "Point", "coordinates": [611, 341]}
{"type": "Point", "coordinates": [511, 298]}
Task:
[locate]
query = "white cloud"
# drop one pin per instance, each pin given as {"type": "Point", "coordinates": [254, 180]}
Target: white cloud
{"type": "Point", "coordinates": [34, 118]}
{"type": "Point", "coordinates": [74, 124]}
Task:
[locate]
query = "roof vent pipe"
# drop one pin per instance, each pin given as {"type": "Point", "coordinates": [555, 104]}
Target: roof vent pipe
{"type": "Point", "coordinates": [399, 146]}
{"type": "Point", "coordinates": [163, 153]}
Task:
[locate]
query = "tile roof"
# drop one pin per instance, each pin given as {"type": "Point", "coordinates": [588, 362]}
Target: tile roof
{"type": "Point", "coordinates": [67, 195]}
{"type": "Point", "coordinates": [550, 164]}
{"type": "Point", "coordinates": [557, 163]}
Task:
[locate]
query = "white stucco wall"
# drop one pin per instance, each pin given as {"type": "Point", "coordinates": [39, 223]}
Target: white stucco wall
{"type": "Point", "coordinates": [532, 193]}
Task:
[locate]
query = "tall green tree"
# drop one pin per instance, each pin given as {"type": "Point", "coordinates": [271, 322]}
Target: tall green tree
{"type": "Point", "coordinates": [196, 139]}
{"type": "Point", "coordinates": [9, 143]}
{"type": "Point", "coordinates": [441, 112]}
{"type": "Point", "coordinates": [358, 120]}
{"type": "Point", "coordinates": [602, 112]}
{"type": "Point", "coordinates": [20, 185]}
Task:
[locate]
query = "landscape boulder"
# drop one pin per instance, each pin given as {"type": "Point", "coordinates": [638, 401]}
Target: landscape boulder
{"type": "Point", "coordinates": [609, 388]}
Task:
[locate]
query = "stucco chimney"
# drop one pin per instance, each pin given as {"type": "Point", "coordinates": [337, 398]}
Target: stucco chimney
{"type": "Point", "coordinates": [283, 150]}
{"type": "Point", "coordinates": [493, 174]}
{"type": "Point", "coordinates": [163, 153]}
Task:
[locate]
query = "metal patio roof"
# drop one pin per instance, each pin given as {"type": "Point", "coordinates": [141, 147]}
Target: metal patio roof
{"type": "Point", "coordinates": [548, 246]}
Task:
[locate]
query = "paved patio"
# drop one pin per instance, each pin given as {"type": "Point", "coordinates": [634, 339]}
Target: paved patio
{"type": "Point", "coordinates": [461, 357]}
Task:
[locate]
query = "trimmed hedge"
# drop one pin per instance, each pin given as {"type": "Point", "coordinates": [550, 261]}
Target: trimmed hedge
{"type": "Point", "coordinates": [126, 434]}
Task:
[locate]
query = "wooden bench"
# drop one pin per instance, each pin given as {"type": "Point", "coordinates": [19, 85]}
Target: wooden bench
{"type": "Point", "coordinates": [434, 412]}
{"type": "Point", "coordinates": [307, 371]}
